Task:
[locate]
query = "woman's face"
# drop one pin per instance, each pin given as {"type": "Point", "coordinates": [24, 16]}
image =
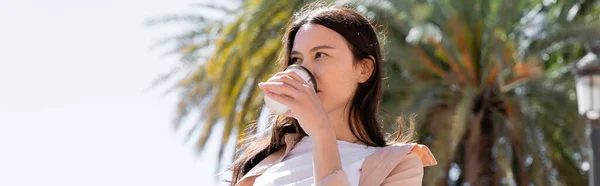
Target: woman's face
{"type": "Point", "coordinates": [328, 56]}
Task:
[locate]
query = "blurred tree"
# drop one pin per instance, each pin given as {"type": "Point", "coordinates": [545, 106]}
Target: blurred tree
{"type": "Point", "coordinates": [481, 76]}
{"type": "Point", "coordinates": [489, 79]}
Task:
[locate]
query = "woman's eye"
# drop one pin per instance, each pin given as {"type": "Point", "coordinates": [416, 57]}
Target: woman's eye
{"type": "Point", "coordinates": [320, 55]}
{"type": "Point", "coordinates": [295, 60]}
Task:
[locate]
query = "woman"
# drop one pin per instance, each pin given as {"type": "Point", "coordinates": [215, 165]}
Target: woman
{"type": "Point", "coordinates": [330, 136]}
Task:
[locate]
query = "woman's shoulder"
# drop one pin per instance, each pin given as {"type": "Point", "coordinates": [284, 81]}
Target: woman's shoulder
{"type": "Point", "coordinates": [400, 164]}
{"type": "Point", "coordinates": [401, 152]}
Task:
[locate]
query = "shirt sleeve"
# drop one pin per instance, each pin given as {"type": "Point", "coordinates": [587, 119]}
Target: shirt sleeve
{"type": "Point", "coordinates": [408, 172]}
{"type": "Point", "coordinates": [337, 178]}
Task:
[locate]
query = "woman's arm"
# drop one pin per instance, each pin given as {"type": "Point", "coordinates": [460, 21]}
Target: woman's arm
{"type": "Point", "coordinates": [326, 157]}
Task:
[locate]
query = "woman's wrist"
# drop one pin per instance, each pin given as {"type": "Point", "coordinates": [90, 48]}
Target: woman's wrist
{"type": "Point", "coordinates": [323, 134]}
{"type": "Point", "coordinates": [320, 128]}
{"type": "Point", "coordinates": [326, 155]}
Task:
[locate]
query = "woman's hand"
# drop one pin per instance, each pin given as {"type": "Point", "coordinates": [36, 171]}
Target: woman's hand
{"type": "Point", "coordinates": [290, 89]}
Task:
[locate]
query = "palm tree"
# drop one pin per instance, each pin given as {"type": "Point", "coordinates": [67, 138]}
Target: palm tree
{"type": "Point", "coordinates": [243, 47]}
{"type": "Point", "coordinates": [482, 84]}
{"type": "Point", "coordinates": [485, 76]}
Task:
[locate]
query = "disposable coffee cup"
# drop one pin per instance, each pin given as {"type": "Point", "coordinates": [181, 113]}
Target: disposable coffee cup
{"type": "Point", "coordinates": [305, 74]}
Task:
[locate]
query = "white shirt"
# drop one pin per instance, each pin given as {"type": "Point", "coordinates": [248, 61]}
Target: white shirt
{"type": "Point", "coordinates": [296, 169]}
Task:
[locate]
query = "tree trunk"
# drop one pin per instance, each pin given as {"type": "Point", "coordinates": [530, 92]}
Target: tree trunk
{"type": "Point", "coordinates": [479, 161]}
{"type": "Point", "coordinates": [440, 122]}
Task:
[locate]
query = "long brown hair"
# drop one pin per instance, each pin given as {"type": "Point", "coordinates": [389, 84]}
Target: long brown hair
{"type": "Point", "coordinates": [363, 40]}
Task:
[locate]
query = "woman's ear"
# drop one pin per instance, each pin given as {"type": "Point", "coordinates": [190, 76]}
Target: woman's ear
{"type": "Point", "coordinates": [366, 68]}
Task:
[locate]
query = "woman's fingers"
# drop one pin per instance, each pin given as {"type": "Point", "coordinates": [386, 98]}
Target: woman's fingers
{"type": "Point", "coordinates": [280, 88]}
{"type": "Point", "coordinates": [296, 77]}
{"type": "Point", "coordinates": [294, 80]}
{"type": "Point", "coordinates": [304, 86]}
{"type": "Point", "coordinates": [288, 80]}
{"type": "Point", "coordinates": [285, 100]}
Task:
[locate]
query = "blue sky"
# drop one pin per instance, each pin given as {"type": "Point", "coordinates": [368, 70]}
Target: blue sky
{"type": "Point", "coordinates": [73, 106]}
